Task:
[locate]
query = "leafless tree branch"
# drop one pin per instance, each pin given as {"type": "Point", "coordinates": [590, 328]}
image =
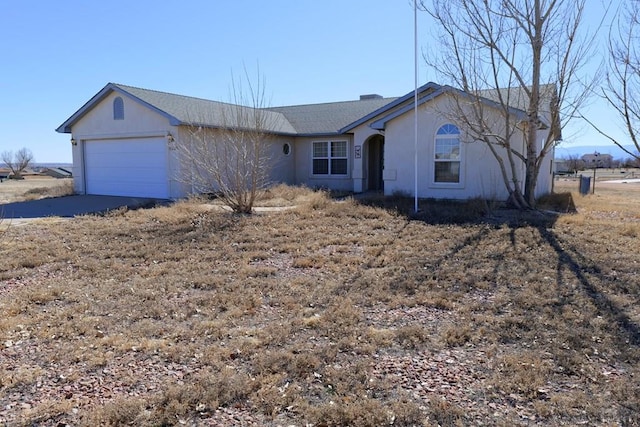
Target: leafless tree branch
{"type": "Point", "coordinates": [521, 54]}
{"type": "Point", "coordinates": [622, 88]}
{"type": "Point", "coordinates": [17, 162]}
{"type": "Point", "coordinates": [232, 158]}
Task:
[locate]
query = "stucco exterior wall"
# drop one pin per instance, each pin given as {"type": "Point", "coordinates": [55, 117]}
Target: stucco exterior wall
{"type": "Point", "coordinates": [139, 122]}
{"type": "Point", "coordinates": [99, 121]}
{"type": "Point", "coordinates": [281, 167]}
{"type": "Point", "coordinates": [283, 170]}
{"type": "Point", "coordinates": [479, 175]}
{"type": "Point", "coordinates": [361, 135]}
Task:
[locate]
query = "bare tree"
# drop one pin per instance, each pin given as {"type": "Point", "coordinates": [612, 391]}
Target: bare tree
{"type": "Point", "coordinates": [225, 149]}
{"type": "Point", "coordinates": [574, 163]}
{"type": "Point", "coordinates": [523, 56]}
{"type": "Point", "coordinates": [622, 89]}
{"type": "Point", "coordinates": [17, 162]}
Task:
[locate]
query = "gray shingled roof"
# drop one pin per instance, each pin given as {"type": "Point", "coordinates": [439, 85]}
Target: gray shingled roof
{"type": "Point", "coordinates": [517, 97]}
{"type": "Point", "coordinates": [190, 110]}
{"type": "Point", "coordinates": [324, 118]}
{"type": "Point", "coordinates": [329, 117]}
{"type": "Point", "coordinates": [311, 119]}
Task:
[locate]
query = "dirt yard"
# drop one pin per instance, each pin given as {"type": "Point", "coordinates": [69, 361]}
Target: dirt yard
{"type": "Point", "coordinates": [330, 314]}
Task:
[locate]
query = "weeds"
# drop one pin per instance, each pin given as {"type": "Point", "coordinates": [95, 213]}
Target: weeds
{"type": "Point", "coordinates": [333, 313]}
{"type": "Point", "coordinates": [65, 189]}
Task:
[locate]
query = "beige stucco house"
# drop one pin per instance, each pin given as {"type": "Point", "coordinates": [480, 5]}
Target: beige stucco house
{"type": "Point", "coordinates": [125, 140]}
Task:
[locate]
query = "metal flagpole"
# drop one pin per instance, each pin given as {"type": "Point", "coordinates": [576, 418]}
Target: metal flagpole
{"type": "Point", "coordinates": [415, 104]}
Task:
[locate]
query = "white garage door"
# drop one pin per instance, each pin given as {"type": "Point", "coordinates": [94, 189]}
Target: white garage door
{"type": "Point", "coordinates": [127, 167]}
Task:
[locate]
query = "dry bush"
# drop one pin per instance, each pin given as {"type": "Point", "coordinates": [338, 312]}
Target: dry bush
{"type": "Point", "coordinates": [314, 201]}
{"type": "Point", "coordinates": [340, 319]}
{"type": "Point", "coordinates": [296, 365]}
{"type": "Point", "coordinates": [204, 392]}
{"type": "Point", "coordinates": [357, 413]}
{"type": "Point", "coordinates": [284, 195]}
{"type": "Point", "coordinates": [558, 202]}
{"type": "Point", "coordinates": [412, 336]}
{"type": "Point", "coordinates": [65, 188]}
{"type": "Point", "coordinates": [4, 225]}
{"type": "Point", "coordinates": [366, 413]}
{"type": "Point", "coordinates": [48, 409]}
{"type": "Point", "coordinates": [275, 394]}
{"type": "Point", "coordinates": [457, 335]}
{"type": "Point", "coordinates": [120, 412]}
{"type": "Point", "coordinates": [446, 414]}
{"type": "Point", "coordinates": [22, 376]}
{"type": "Point", "coordinates": [524, 373]}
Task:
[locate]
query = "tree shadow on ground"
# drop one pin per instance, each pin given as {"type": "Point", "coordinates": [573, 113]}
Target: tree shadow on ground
{"type": "Point", "coordinates": [478, 212]}
{"type": "Point", "coordinates": [582, 268]}
{"type": "Point", "coordinates": [472, 212]}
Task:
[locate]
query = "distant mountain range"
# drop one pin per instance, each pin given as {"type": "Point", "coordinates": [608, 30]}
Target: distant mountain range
{"type": "Point", "coordinates": [564, 151]}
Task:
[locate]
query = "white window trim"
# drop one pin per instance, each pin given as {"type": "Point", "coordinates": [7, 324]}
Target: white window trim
{"type": "Point", "coordinates": [329, 158]}
{"type": "Point", "coordinates": [433, 161]}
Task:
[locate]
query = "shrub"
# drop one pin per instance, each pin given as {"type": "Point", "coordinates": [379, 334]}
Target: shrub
{"type": "Point", "coordinates": [65, 189]}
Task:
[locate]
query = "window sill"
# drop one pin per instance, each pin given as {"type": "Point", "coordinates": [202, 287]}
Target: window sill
{"type": "Point", "coordinates": [327, 176]}
{"type": "Point", "coordinates": [445, 185]}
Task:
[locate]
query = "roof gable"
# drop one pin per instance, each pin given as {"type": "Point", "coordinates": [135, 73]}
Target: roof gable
{"type": "Point", "coordinates": [441, 90]}
{"type": "Point", "coordinates": [516, 98]}
{"type": "Point", "coordinates": [428, 87]}
{"type": "Point", "coordinates": [99, 97]}
{"type": "Point", "coordinates": [182, 110]}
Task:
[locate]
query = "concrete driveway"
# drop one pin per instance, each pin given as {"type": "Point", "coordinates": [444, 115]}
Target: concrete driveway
{"type": "Point", "coordinates": [70, 206]}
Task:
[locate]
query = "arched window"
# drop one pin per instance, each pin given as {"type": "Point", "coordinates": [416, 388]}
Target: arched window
{"type": "Point", "coordinates": [118, 109]}
{"type": "Point", "coordinates": [447, 154]}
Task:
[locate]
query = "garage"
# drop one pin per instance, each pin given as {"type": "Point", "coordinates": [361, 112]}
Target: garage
{"type": "Point", "coordinates": [127, 167]}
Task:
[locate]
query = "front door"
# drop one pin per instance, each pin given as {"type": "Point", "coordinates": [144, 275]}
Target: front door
{"type": "Point", "coordinates": [376, 163]}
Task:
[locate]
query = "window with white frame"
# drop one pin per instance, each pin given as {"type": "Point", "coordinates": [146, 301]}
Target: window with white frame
{"type": "Point", "coordinates": [118, 109]}
{"type": "Point", "coordinates": [447, 155]}
{"type": "Point", "coordinates": [330, 158]}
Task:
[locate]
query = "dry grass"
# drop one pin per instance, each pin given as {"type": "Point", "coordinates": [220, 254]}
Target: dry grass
{"type": "Point", "coordinates": [284, 195]}
{"type": "Point", "coordinates": [32, 188]}
{"type": "Point", "coordinates": [330, 314]}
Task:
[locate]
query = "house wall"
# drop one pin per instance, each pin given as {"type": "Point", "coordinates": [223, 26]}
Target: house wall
{"type": "Point", "coordinates": [479, 175]}
{"type": "Point", "coordinates": [139, 122]}
{"type": "Point", "coordinates": [303, 156]}
{"type": "Point", "coordinates": [545, 176]}
{"type": "Point", "coordinates": [280, 170]}
{"type": "Point", "coordinates": [283, 169]}
{"type": "Point", "coordinates": [360, 165]}
{"type": "Point", "coordinates": [601, 160]}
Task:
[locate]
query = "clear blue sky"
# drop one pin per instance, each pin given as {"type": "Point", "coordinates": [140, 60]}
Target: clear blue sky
{"type": "Point", "coordinates": [58, 54]}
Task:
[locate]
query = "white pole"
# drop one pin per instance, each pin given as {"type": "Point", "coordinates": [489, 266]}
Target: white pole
{"type": "Point", "coordinates": [415, 104]}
